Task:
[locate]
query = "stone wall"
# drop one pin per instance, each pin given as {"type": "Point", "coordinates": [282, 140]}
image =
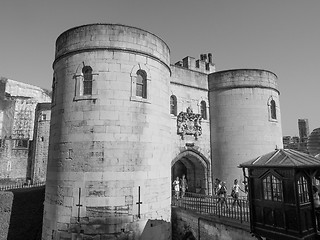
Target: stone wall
{"type": "Point", "coordinates": [17, 113]}
{"type": "Point", "coordinates": [23, 119]}
{"type": "Point", "coordinates": [13, 161]}
{"type": "Point", "coordinates": [187, 224]}
{"type": "Point", "coordinates": [17, 104]}
{"type": "Point", "coordinates": [190, 88]}
{"type": "Point", "coordinates": [40, 144]}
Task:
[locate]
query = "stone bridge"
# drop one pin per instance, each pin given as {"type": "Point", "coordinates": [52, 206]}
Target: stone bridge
{"type": "Point", "coordinates": [205, 217]}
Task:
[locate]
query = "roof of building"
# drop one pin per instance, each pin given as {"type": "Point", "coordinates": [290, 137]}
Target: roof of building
{"type": "Point", "coordinates": [283, 158]}
{"type": "Point", "coordinates": [43, 106]}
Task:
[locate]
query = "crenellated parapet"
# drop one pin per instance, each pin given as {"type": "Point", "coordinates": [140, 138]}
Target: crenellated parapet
{"type": "Point", "coordinates": [204, 64]}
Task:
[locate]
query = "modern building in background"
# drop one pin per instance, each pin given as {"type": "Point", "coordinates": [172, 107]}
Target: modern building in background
{"type": "Point", "coordinates": [295, 142]}
{"type": "Point", "coordinates": [303, 125]}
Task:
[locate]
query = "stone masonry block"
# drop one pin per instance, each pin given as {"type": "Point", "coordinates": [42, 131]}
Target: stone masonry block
{"type": "Point", "coordinates": [63, 211]}
{"type": "Point", "coordinates": [114, 67]}
{"type": "Point", "coordinates": [68, 201]}
{"type": "Point", "coordinates": [104, 201]}
{"type": "Point", "coordinates": [109, 115]}
{"type": "Point", "coordinates": [126, 68]}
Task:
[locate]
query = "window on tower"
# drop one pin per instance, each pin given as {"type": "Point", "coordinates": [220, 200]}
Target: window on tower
{"type": "Point", "coordinates": [54, 91]}
{"type": "Point", "coordinates": [273, 109]}
{"type": "Point", "coordinates": [141, 84]}
{"type": "Point", "coordinates": [87, 80]}
{"type": "Point", "coordinates": [173, 105]}
{"type": "Point", "coordinates": [85, 87]}
{"type": "Point", "coordinates": [203, 109]}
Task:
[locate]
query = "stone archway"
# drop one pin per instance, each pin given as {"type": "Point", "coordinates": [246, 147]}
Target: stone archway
{"type": "Point", "coordinates": [196, 169]}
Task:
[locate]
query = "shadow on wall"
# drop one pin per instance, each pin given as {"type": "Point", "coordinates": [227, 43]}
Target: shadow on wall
{"type": "Point", "coordinates": [156, 230]}
{"type": "Point", "coordinates": [188, 236]}
{"type": "Point", "coordinates": [26, 214]}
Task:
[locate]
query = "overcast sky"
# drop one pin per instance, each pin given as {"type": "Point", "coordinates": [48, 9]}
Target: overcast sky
{"type": "Point", "coordinates": [282, 36]}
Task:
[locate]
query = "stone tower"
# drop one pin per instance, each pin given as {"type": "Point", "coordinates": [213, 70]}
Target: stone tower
{"type": "Point", "coordinates": [40, 144]}
{"type": "Point", "coordinates": [108, 170]}
{"type": "Point", "coordinates": [244, 118]}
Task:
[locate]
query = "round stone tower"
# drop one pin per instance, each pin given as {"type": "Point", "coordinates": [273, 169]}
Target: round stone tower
{"type": "Point", "coordinates": [108, 171]}
{"type": "Point", "coordinates": [245, 119]}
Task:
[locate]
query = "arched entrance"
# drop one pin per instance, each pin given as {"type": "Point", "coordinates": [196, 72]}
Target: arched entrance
{"type": "Point", "coordinates": [196, 168]}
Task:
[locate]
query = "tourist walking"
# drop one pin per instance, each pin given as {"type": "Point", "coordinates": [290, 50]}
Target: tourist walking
{"type": "Point", "coordinates": [235, 193]}
{"type": "Point", "coordinates": [222, 194]}
{"type": "Point", "coordinates": [217, 186]}
{"type": "Point", "coordinates": [176, 187]}
{"type": "Point", "coordinates": [184, 185]}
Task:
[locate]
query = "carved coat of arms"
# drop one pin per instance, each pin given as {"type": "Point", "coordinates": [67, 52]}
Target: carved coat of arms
{"type": "Point", "coordinates": [189, 123]}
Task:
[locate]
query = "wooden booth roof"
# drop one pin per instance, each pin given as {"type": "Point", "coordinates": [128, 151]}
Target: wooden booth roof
{"type": "Point", "coordinates": [283, 158]}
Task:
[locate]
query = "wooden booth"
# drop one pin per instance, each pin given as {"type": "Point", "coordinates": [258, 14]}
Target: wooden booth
{"type": "Point", "coordinates": [280, 194]}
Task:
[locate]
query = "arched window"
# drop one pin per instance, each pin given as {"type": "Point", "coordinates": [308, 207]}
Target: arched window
{"type": "Point", "coordinates": [173, 105]}
{"type": "Point", "coordinates": [87, 80]}
{"type": "Point", "coordinates": [141, 84]}
{"type": "Point", "coordinates": [273, 109]}
{"type": "Point", "coordinates": [272, 188]}
{"type": "Point", "coordinates": [203, 109]}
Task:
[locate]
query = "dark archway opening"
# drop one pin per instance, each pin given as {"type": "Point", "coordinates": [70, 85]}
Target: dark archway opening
{"type": "Point", "coordinates": [195, 169]}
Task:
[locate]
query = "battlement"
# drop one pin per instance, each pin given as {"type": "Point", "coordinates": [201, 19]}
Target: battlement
{"type": "Point", "coordinates": [204, 64]}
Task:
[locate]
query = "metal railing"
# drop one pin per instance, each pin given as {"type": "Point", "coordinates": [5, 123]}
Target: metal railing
{"type": "Point", "coordinates": [213, 205]}
{"type": "Point", "coordinates": [21, 185]}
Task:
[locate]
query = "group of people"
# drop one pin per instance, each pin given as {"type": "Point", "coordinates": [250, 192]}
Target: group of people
{"type": "Point", "coordinates": [180, 185]}
{"type": "Point", "coordinates": [220, 190]}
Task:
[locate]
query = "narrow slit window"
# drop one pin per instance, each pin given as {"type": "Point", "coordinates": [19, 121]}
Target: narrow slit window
{"type": "Point", "coordinates": [54, 86]}
{"type": "Point", "coordinates": [273, 109]}
{"type": "Point", "coordinates": [173, 105]}
{"type": "Point", "coordinates": [203, 109]}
